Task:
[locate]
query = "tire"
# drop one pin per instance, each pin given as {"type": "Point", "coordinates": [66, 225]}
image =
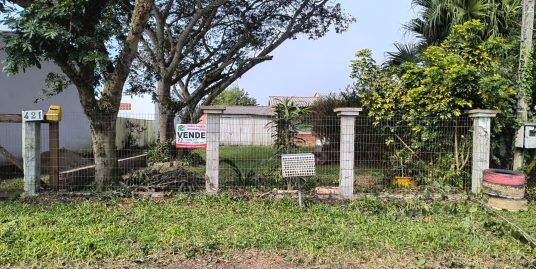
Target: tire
{"type": "Point", "coordinates": [512, 192]}
{"type": "Point", "coordinates": [503, 177]}
{"type": "Point", "coordinates": [507, 204]}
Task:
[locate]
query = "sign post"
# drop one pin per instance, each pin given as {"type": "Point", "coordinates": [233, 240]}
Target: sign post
{"type": "Point", "coordinates": [53, 117]}
{"type": "Point", "coordinates": [31, 150]}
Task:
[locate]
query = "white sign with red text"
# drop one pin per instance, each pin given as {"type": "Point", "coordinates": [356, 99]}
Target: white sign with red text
{"type": "Point", "coordinates": [191, 136]}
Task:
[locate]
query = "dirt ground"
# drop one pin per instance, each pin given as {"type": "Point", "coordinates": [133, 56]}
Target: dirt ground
{"type": "Point", "coordinates": [68, 160]}
{"type": "Point", "coordinates": [262, 260]}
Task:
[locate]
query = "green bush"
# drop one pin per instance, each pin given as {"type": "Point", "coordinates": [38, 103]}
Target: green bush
{"type": "Point", "coordinates": [160, 152]}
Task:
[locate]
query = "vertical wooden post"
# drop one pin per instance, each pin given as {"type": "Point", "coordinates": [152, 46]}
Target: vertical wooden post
{"type": "Point", "coordinates": [31, 154]}
{"type": "Point", "coordinates": [54, 147]}
{"type": "Point", "coordinates": [481, 144]}
{"type": "Point", "coordinates": [527, 28]}
{"type": "Point", "coordinates": [347, 149]}
{"type": "Point", "coordinates": [213, 147]}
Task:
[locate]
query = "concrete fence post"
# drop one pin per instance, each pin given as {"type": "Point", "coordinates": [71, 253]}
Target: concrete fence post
{"type": "Point", "coordinates": [481, 144]}
{"type": "Point", "coordinates": [347, 149]}
{"type": "Point", "coordinates": [31, 155]}
{"type": "Point", "coordinates": [213, 146]}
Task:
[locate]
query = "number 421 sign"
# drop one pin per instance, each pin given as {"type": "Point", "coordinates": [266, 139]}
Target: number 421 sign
{"type": "Point", "coordinates": [32, 115]}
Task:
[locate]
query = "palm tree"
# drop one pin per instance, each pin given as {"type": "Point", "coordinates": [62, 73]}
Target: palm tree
{"type": "Point", "coordinates": [287, 120]}
{"type": "Point", "coordinates": [404, 53]}
{"type": "Point", "coordinates": [438, 16]}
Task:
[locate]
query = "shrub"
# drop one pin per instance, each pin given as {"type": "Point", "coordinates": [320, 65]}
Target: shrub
{"type": "Point", "coordinates": [160, 152]}
{"type": "Point", "coordinates": [289, 117]}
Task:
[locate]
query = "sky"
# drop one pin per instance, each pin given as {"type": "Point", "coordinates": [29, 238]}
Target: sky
{"type": "Point", "coordinates": [303, 67]}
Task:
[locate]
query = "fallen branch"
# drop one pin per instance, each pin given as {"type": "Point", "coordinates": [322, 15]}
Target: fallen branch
{"type": "Point", "coordinates": [11, 158]}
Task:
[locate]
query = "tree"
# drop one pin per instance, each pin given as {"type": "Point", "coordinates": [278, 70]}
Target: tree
{"type": "Point", "coordinates": [404, 53]}
{"type": "Point", "coordinates": [234, 97]}
{"type": "Point", "coordinates": [464, 72]}
{"type": "Point", "coordinates": [94, 44]}
{"type": "Point", "coordinates": [286, 123]}
{"type": "Point", "coordinates": [437, 17]}
{"type": "Point", "coordinates": [326, 124]}
{"type": "Point", "coordinates": [202, 48]}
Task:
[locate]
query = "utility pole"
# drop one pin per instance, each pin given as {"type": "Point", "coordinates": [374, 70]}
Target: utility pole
{"type": "Point", "coordinates": [527, 26]}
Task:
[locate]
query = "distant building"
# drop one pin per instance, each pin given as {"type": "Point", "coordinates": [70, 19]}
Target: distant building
{"type": "Point", "coordinates": [306, 101]}
{"type": "Point", "coordinates": [245, 125]}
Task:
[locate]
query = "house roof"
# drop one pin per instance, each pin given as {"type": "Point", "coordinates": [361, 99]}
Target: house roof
{"type": "Point", "coordinates": [248, 110]}
{"type": "Point", "coordinates": [298, 100]}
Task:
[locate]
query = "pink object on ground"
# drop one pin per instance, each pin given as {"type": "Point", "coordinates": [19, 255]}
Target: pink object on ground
{"type": "Point", "coordinates": [504, 177]}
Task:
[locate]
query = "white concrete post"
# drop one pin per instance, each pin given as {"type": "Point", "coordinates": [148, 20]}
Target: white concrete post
{"type": "Point", "coordinates": [31, 155]}
{"type": "Point", "coordinates": [347, 149]}
{"type": "Point", "coordinates": [213, 147]}
{"type": "Point", "coordinates": [481, 144]}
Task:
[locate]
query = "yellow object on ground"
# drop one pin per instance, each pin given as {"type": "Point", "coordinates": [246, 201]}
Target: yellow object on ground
{"type": "Point", "coordinates": [406, 182]}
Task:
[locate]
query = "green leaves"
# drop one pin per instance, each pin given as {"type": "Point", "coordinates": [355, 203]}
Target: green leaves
{"type": "Point", "coordinates": [286, 122]}
{"type": "Point", "coordinates": [462, 73]}
{"type": "Point", "coordinates": [234, 97]}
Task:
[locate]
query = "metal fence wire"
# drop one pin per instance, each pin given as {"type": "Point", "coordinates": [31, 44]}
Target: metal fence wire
{"type": "Point", "coordinates": [424, 152]}
{"type": "Point", "coordinates": [11, 172]}
{"type": "Point", "coordinates": [388, 154]}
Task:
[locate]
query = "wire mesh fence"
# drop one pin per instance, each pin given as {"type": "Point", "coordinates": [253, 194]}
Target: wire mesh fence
{"type": "Point", "coordinates": [425, 152]}
{"type": "Point", "coordinates": [255, 162]}
{"type": "Point", "coordinates": [11, 173]}
{"type": "Point", "coordinates": [394, 153]}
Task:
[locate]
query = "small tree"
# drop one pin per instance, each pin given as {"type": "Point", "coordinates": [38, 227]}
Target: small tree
{"type": "Point", "coordinates": [235, 97]}
{"type": "Point", "coordinates": [286, 122]}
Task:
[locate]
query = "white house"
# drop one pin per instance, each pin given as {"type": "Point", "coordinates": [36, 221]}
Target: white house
{"type": "Point", "coordinates": [20, 92]}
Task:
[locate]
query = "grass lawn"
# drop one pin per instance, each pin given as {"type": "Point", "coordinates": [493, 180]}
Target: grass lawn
{"type": "Point", "coordinates": [263, 167]}
{"type": "Point", "coordinates": [17, 183]}
{"type": "Point", "coordinates": [12, 184]}
{"type": "Point", "coordinates": [192, 231]}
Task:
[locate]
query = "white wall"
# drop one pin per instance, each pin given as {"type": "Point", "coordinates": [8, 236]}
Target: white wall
{"type": "Point", "coordinates": [245, 130]}
{"type": "Point", "coordinates": [18, 93]}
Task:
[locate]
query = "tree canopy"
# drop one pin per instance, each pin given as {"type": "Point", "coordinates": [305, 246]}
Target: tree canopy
{"type": "Point", "coordinates": [203, 47]}
{"type": "Point", "coordinates": [464, 72]}
{"type": "Point", "coordinates": [234, 96]}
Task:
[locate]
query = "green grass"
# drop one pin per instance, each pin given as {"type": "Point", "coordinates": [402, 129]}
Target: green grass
{"type": "Point", "coordinates": [12, 184]}
{"type": "Point", "coordinates": [50, 233]}
{"type": "Point", "coordinates": [17, 183]}
{"type": "Point", "coordinates": [263, 162]}
{"type": "Point", "coordinates": [525, 219]}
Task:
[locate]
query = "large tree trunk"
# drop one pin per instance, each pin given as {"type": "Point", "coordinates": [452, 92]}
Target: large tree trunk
{"type": "Point", "coordinates": [104, 151]}
{"type": "Point", "coordinates": [165, 111]}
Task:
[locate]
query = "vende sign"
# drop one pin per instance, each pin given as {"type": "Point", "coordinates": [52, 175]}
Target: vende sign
{"type": "Point", "coordinates": [191, 136]}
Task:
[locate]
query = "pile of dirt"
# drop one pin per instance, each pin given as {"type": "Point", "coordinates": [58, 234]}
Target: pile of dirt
{"type": "Point", "coordinates": [68, 160]}
{"type": "Point", "coordinates": [156, 180]}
